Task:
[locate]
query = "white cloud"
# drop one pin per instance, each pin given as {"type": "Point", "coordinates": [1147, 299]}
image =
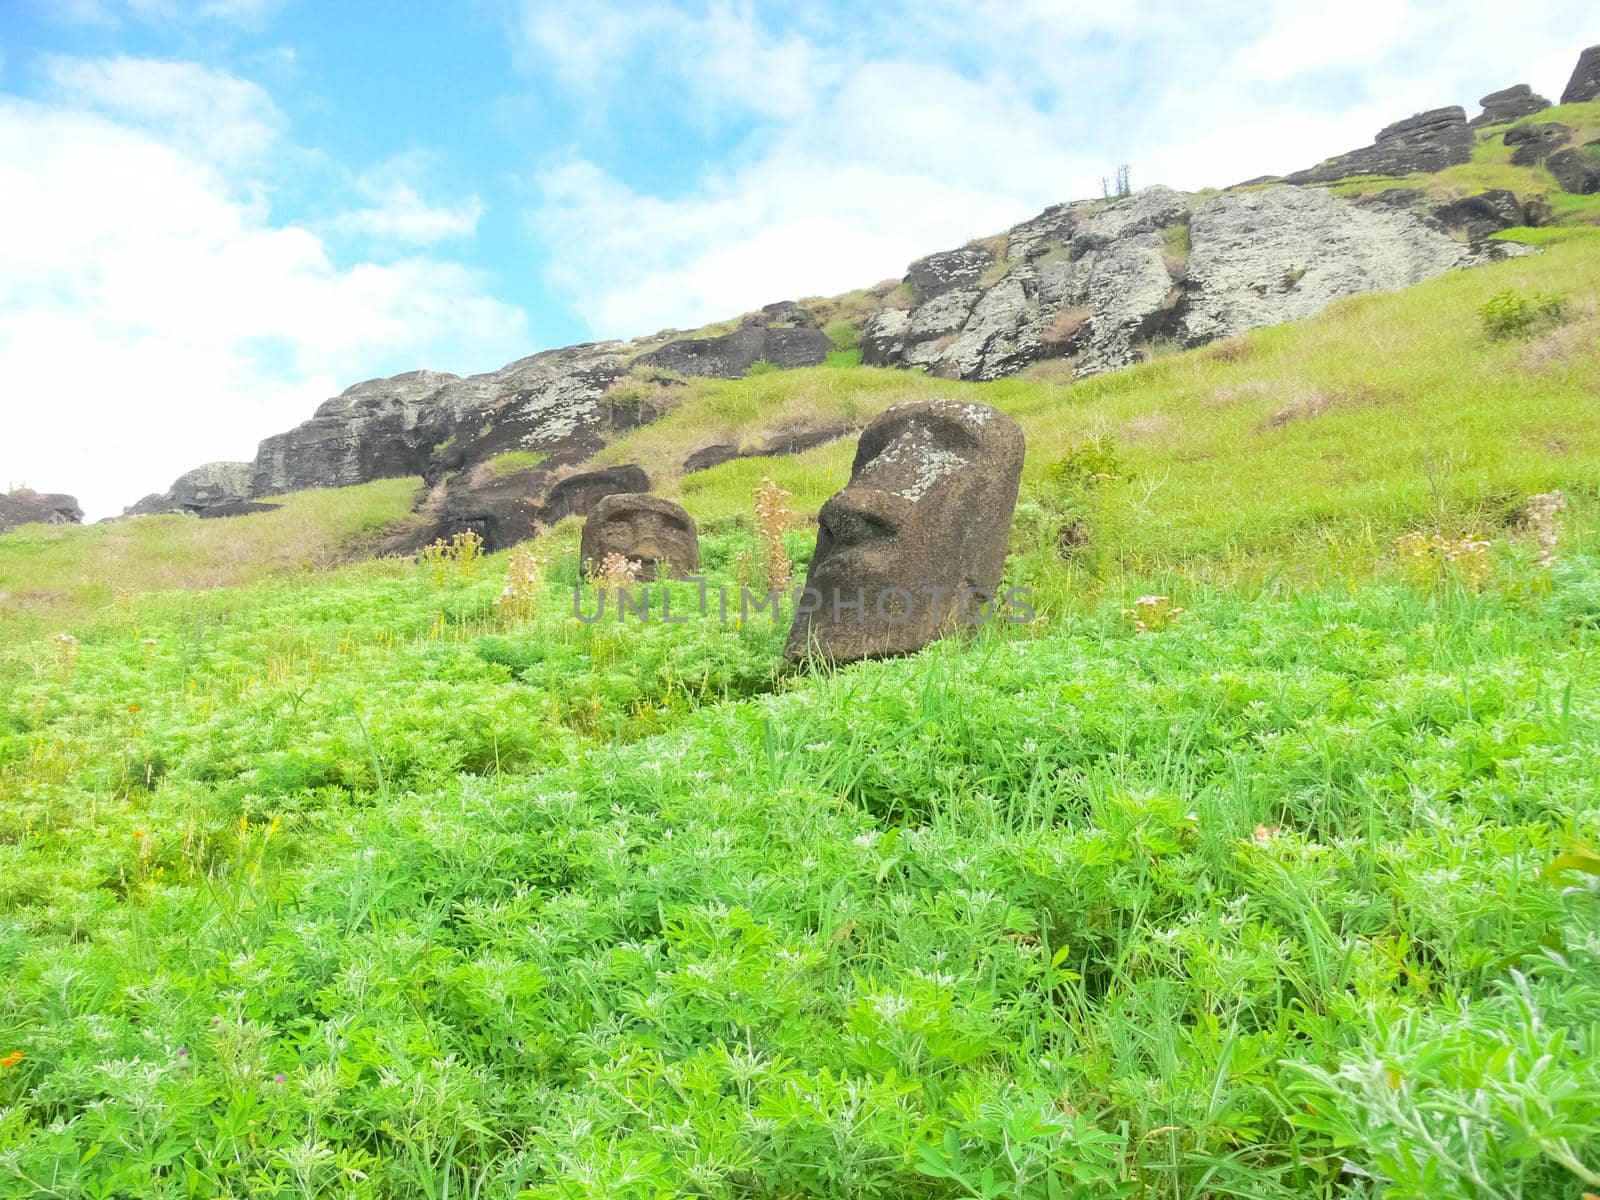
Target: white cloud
{"type": "Point", "coordinates": [887, 132]}
{"type": "Point", "coordinates": [218, 116]}
{"type": "Point", "coordinates": [400, 215]}
{"type": "Point", "coordinates": [153, 316]}
{"type": "Point", "coordinates": [394, 212]}
{"type": "Point", "coordinates": [726, 57]}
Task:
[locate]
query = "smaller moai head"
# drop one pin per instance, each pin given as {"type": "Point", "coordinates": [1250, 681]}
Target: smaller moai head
{"type": "Point", "coordinates": [643, 528]}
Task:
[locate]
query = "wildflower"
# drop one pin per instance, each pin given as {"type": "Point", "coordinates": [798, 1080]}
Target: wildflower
{"type": "Point", "coordinates": [523, 569]}
{"type": "Point", "coordinates": [133, 708]}
{"type": "Point", "coordinates": [772, 518]}
{"type": "Point", "coordinates": [1543, 519]}
{"type": "Point", "coordinates": [280, 1077]}
{"type": "Point", "coordinates": [617, 570]}
{"type": "Point", "coordinates": [183, 1052]}
{"type": "Point", "coordinates": [11, 1059]}
{"type": "Point", "coordinates": [1150, 614]}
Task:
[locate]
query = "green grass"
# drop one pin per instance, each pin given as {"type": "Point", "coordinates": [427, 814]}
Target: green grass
{"type": "Point", "coordinates": [56, 573]}
{"type": "Point", "coordinates": [320, 879]}
{"type": "Point", "coordinates": [345, 887]}
{"type": "Point", "coordinates": [513, 461]}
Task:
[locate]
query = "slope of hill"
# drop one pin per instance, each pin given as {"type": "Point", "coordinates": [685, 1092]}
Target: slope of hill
{"type": "Point", "coordinates": [1261, 863]}
{"type": "Point", "coordinates": [1087, 287]}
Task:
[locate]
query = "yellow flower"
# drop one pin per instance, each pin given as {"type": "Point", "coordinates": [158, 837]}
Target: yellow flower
{"type": "Point", "coordinates": [11, 1059]}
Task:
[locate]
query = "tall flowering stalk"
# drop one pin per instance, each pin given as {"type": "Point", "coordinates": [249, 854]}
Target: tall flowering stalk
{"type": "Point", "coordinates": [1544, 518]}
{"type": "Point", "coordinates": [772, 519]}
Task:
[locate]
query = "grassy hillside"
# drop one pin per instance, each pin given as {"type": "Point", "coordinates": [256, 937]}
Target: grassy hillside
{"type": "Point", "coordinates": [321, 878]}
{"type": "Point", "coordinates": [1382, 412]}
{"type": "Point", "coordinates": [55, 574]}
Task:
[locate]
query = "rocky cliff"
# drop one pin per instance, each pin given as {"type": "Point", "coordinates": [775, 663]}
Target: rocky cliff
{"type": "Point", "coordinates": [1096, 284]}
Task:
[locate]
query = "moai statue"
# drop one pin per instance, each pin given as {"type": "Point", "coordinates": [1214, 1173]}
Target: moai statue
{"type": "Point", "coordinates": [915, 544]}
{"type": "Point", "coordinates": [644, 528]}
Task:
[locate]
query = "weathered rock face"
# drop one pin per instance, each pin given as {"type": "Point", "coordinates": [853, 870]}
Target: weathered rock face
{"type": "Point", "coordinates": [788, 441]}
{"type": "Point", "coordinates": [918, 537]}
{"type": "Point", "coordinates": [645, 529]}
{"type": "Point", "coordinates": [1585, 82]}
{"type": "Point", "coordinates": [1099, 282]}
{"type": "Point", "coordinates": [1549, 143]}
{"type": "Point", "coordinates": [733, 354]}
{"type": "Point", "coordinates": [1283, 253]}
{"type": "Point", "coordinates": [551, 404]}
{"type": "Point", "coordinates": [1429, 141]}
{"type": "Point", "coordinates": [24, 506]}
{"type": "Point", "coordinates": [1484, 214]}
{"type": "Point", "coordinates": [213, 485]}
{"type": "Point", "coordinates": [374, 430]}
{"type": "Point", "coordinates": [1509, 104]}
{"type": "Point", "coordinates": [1089, 280]}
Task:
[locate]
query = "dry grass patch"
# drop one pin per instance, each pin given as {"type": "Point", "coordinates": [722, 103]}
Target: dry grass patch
{"type": "Point", "coordinates": [1066, 326]}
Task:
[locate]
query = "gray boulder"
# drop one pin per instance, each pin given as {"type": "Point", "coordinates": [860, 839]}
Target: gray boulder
{"type": "Point", "coordinates": [1509, 104]}
{"type": "Point", "coordinates": [1484, 214]}
{"type": "Point", "coordinates": [213, 485]}
{"type": "Point", "coordinates": [1585, 82]}
{"type": "Point", "coordinates": [731, 355]}
{"type": "Point", "coordinates": [24, 506]}
{"type": "Point", "coordinates": [1275, 255]}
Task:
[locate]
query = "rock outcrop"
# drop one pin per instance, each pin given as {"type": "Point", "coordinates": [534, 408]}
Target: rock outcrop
{"type": "Point", "coordinates": [789, 441]}
{"type": "Point", "coordinates": [1585, 82]}
{"type": "Point", "coordinates": [1099, 282]}
{"type": "Point", "coordinates": [1484, 214]}
{"type": "Point", "coordinates": [1509, 104]}
{"type": "Point", "coordinates": [731, 355]}
{"type": "Point", "coordinates": [374, 430]}
{"type": "Point", "coordinates": [1284, 253]}
{"type": "Point", "coordinates": [1549, 144]}
{"type": "Point", "coordinates": [649, 531]}
{"type": "Point", "coordinates": [915, 544]}
{"type": "Point", "coordinates": [1429, 141]}
{"type": "Point", "coordinates": [24, 506]}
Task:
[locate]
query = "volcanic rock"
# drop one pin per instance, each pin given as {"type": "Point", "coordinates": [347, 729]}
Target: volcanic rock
{"type": "Point", "coordinates": [1585, 82]}
{"type": "Point", "coordinates": [1429, 141]}
{"type": "Point", "coordinates": [24, 506]}
{"type": "Point", "coordinates": [731, 355]}
{"type": "Point", "coordinates": [1509, 104]}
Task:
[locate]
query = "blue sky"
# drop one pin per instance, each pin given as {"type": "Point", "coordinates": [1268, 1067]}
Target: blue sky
{"type": "Point", "coordinates": [216, 213]}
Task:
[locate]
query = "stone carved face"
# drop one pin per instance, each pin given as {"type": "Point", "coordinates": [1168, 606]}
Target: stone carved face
{"type": "Point", "coordinates": [920, 530]}
{"type": "Point", "coordinates": [644, 528]}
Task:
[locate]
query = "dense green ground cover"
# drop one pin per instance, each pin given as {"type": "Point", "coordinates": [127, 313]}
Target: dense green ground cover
{"type": "Point", "coordinates": [348, 887]}
{"type": "Point", "coordinates": [323, 880]}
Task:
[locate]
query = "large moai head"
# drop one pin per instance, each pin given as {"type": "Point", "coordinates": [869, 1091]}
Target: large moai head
{"type": "Point", "coordinates": [644, 528]}
{"type": "Point", "coordinates": [918, 537]}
